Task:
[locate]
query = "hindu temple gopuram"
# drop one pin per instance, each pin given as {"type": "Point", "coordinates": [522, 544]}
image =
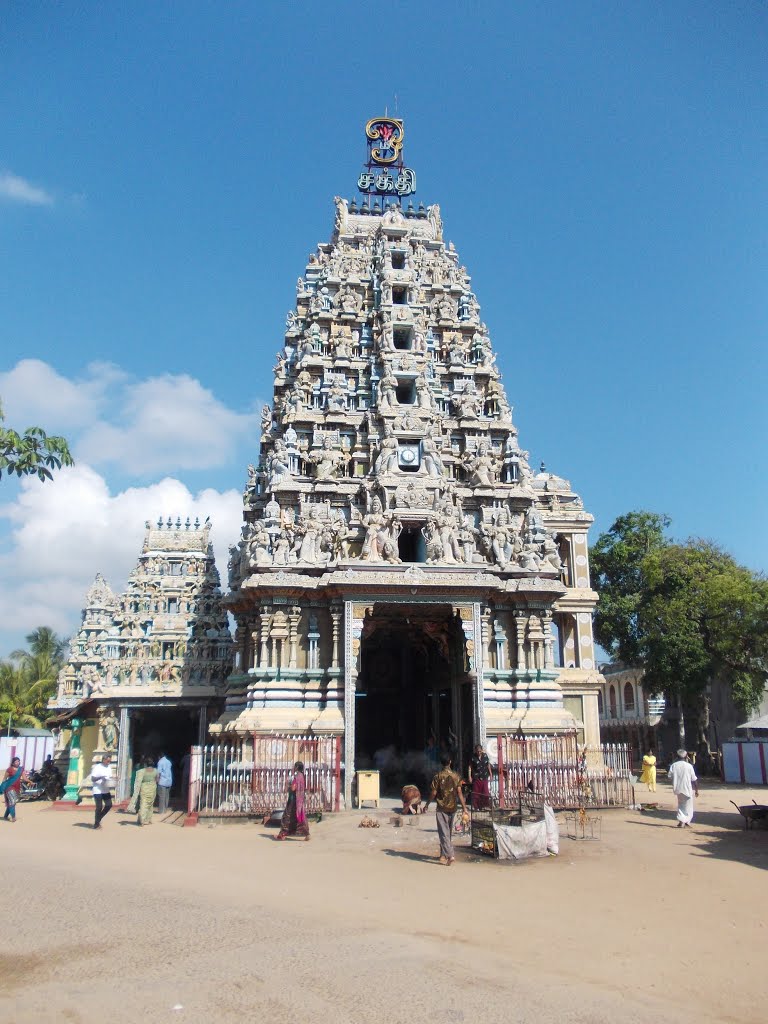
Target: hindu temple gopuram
{"type": "Point", "coordinates": [147, 670]}
{"type": "Point", "coordinates": [403, 577]}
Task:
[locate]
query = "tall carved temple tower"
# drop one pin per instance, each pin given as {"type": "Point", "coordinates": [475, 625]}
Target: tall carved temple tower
{"type": "Point", "coordinates": [402, 576]}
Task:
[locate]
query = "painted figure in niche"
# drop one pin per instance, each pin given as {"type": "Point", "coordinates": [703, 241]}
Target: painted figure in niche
{"type": "Point", "coordinates": [386, 460]}
{"type": "Point", "coordinates": [430, 457]}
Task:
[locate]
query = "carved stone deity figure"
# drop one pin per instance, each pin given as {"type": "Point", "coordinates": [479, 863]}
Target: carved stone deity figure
{"type": "Point", "coordinates": [481, 467]}
{"type": "Point", "coordinates": [327, 459]}
{"type": "Point", "coordinates": [375, 534]}
{"type": "Point", "coordinates": [253, 478]}
{"type": "Point", "coordinates": [468, 405]}
{"type": "Point", "coordinates": [348, 302]}
{"type": "Point", "coordinates": [278, 466]}
{"type": "Point", "coordinates": [436, 221]}
{"type": "Point", "coordinates": [535, 532]}
{"type": "Point", "coordinates": [387, 390]}
{"type": "Point", "coordinates": [433, 464]}
{"type": "Point", "coordinates": [455, 353]}
{"type": "Point", "coordinates": [109, 729]}
{"type": "Point", "coordinates": [467, 535]}
{"type": "Point", "coordinates": [337, 396]}
{"type": "Point", "coordinates": [259, 552]}
{"type": "Point", "coordinates": [309, 529]}
{"type": "Point", "coordinates": [448, 536]}
{"type": "Point", "coordinates": [233, 567]}
{"type": "Point", "coordinates": [282, 547]}
{"type": "Point", "coordinates": [341, 215]}
{"type": "Point", "coordinates": [424, 395]}
{"type": "Point", "coordinates": [386, 460]}
{"type": "Point", "coordinates": [550, 553]}
{"type": "Point", "coordinates": [266, 419]}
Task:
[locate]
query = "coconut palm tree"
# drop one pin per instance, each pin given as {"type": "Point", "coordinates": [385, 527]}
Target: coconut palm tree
{"type": "Point", "coordinates": [28, 678]}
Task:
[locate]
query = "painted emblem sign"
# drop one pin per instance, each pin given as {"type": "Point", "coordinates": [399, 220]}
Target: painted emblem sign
{"type": "Point", "coordinates": [387, 136]}
{"type": "Point", "coordinates": [385, 173]}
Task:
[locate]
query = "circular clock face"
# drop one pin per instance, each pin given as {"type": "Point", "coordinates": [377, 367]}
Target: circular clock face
{"type": "Point", "coordinates": [408, 456]}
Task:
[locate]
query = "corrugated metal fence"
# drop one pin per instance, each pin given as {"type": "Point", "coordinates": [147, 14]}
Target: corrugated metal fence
{"type": "Point", "coordinates": [557, 771]}
{"type": "Point", "coordinates": [251, 776]}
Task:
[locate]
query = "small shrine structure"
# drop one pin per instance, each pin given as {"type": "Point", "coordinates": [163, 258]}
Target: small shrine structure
{"type": "Point", "coordinates": [403, 579]}
{"type": "Point", "coordinates": [146, 671]}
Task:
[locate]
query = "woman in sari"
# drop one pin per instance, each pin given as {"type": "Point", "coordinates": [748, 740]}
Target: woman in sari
{"type": "Point", "coordinates": [294, 821]}
{"type": "Point", "coordinates": [10, 787]}
{"type": "Point", "coordinates": [144, 792]}
{"type": "Point", "coordinates": [648, 775]}
{"type": "Point", "coordinates": [480, 772]}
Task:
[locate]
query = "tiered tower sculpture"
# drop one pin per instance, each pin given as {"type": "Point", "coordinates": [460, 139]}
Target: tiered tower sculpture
{"type": "Point", "coordinates": [163, 645]}
{"type": "Point", "coordinates": [391, 482]}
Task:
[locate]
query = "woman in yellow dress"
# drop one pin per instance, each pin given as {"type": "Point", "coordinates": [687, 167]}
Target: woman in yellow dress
{"type": "Point", "coordinates": [648, 775]}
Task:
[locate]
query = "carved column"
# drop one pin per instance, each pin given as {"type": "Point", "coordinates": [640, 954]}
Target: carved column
{"type": "Point", "coordinates": [521, 624]}
{"type": "Point", "coordinates": [353, 628]}
{"type": "Point", "coordinates": [485, 626]}
{"type": "Point", "coordinates": [336, 627]}
{"type": "Point", "coordinates": [264, 654]}
{"type": "Point", "coordinates": [549, 657]}
{"type": "Point", "coordinates": [294, 618]}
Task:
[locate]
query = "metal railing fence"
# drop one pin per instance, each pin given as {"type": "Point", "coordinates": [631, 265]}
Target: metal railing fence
{"type": "Point", "coordinates": [557, 771]}
{"type": "Point", "coordinates": [250, 776]}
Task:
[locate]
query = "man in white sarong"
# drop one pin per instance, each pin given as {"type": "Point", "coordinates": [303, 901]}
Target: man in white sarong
{"type": "Point", "coordinates": [684, 786]}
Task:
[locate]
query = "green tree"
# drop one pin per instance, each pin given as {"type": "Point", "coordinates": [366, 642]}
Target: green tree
{"type": "Point", "coordinates": [617, 566]}
{"type": "Point", "coordinates": [28, 679]}
{"type": "Point", "coordinates": [688, 614]}
{"type": "Point", "coordinates": [33, 453]}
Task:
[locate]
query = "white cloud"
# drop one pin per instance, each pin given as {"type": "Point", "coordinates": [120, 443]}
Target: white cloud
{"type": "Point", "coordinates": [167, 424]}
{"type": "Point", "coordinates": [19, 190]}
{"type": "Point", "coordinates": [162, 424]}
{"type": "Point", "coordinates": [33, 393]}
{"type": "Point", "coordinates": [65, 531]}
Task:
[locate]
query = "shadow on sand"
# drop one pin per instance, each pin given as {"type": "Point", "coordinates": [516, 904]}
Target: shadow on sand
{"type": "Point", "coordinates": [723, 833]}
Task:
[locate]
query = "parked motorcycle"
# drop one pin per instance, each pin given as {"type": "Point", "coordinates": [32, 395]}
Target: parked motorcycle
{"type": "Point", "coordinates": [32, 786]}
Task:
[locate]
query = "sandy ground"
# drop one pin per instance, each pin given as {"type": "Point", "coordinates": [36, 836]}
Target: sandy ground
{"type": "Point", "coordinates": [220, 924]}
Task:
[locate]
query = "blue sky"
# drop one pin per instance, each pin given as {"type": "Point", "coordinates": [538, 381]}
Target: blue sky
{"type": "Point", "coordinates": [166, 169]}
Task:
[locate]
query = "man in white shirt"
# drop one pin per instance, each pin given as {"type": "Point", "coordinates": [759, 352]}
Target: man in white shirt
{"type": "Point", "coordinates": [684, 786]}
{"type": "Point", "coordinates": [164, 782]}
{"type": "Point", "coordinates": [101, 778]}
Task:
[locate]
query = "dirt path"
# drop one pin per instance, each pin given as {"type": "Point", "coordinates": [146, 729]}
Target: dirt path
{"type": "Point", "coordinates": [651, 924]}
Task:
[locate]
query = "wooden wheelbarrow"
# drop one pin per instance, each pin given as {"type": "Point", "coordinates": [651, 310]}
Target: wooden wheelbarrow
{"type": "Point", "coordinates": [752, 812]}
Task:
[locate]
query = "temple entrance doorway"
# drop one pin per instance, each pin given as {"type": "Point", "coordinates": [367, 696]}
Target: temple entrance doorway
{"type": "Point", "coordinates": [157, 730]}
{"type": "Point", "coordinates": [413, 698]}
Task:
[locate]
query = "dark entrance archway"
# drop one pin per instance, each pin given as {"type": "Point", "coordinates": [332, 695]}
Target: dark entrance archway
{"type": "Point", "coordinates": [163, 729]}
{"type": "Point", "coordinates": [413, 699]}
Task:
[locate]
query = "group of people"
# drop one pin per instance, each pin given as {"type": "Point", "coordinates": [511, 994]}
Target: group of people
{"type": "Point", "coordinates": [685, 784]}
{"type": "Point", "coordinates": [152, 781]}
{"type": "Point", "coordinates": [446, 790]}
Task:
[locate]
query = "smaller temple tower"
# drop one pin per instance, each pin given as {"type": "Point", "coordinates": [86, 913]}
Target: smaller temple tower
{"type": "Point", "coordinates": [146, 671]}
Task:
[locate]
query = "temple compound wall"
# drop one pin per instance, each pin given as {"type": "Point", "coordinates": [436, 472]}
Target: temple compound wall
{"type": "Point", "coordinates": [146, 671]}
{"type": "Point", "coordinates": [403, 577]}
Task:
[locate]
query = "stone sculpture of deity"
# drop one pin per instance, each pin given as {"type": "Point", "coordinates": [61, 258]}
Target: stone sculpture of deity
{"type": "Point", "coordinates": [327, 459]}
{"type": "Point", "coordinates": [481, 467]}
{"type": "Point", "coordinates": [386, 460]}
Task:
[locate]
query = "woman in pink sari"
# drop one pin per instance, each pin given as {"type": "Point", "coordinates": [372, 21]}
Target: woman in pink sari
{"type": "Point", "coordinates": [294, 821]}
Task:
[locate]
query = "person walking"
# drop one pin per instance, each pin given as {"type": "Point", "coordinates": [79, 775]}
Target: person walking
{"type": "Point", "coordinates": [294, 822]}
{"type": "Point", "coordinates": [684, 786]}
{"type": "Point", "coordinates": [144, 792]}
{"type": "Point", "coordinates": [648, 775]}
{"type": "Point", "coordinates": [480, 772]}
{"type": "Point", "coordinates": [164, 782]}
{"type": "Point", "coordinates": [10, 787]}
{"type": "Point", "coordinates": [445, 790]}
{"type": "Point", "coordinates": [101, 783]}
